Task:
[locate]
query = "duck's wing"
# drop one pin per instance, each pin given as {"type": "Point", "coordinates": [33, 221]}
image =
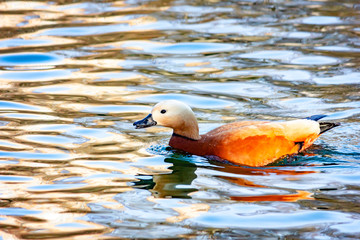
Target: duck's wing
{"type": "Point", "coordinates": [296, 130]}
{"type": "Point", "coordinates": [235, 125]}
{"type": "Point", "coordinates": [262, 143]}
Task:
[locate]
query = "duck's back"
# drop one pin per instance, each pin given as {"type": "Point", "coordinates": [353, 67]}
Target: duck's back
{"type": "Point", "coordinates": [260, 143]}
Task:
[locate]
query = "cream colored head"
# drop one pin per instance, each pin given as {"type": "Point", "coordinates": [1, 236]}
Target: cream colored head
{"type": "Point", "coordinates": [178, 116]}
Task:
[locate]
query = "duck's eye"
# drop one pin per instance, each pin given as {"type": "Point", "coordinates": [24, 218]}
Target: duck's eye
{"type": "Point", "coordinates": [163, 111]}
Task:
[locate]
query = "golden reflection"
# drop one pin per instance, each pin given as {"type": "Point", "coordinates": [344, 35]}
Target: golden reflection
{"type": "Point", "coordinates": [60, 209]}
{"type": "Point", "coordinates": [138, 94]}
{"type": "Point", "coordinates": [21, 5]}
{"type": "Point", "coordinates": [11, 145]}
{"type": "Point", "coordinates": [242, 182]}
{"type": "Point", "coordinates": [137, 21]}
{"type": "Point", "coordinates": [108, 143]}
{"type": "Point", "coordinates": [132, 45]}
{"type": "Point", "coordinates": [33, 164]}
{"type": "Point", "coordinates": [8, 21]}
{"type": "Point", "coordinates": [36, 22]}
{"type": "Point", "coordinates": [16, 189]}
{"type": "Point", "coordinates": [100, 63]}
{"type": "Point", "coordinates": [209, 70]}
{"type": "Point", "coordinates": [60, 225]}
{"type": "Point", "coordinates": [119, 76]}
{"type": "Point", "coordinates": [44, 11]}
{"type": "Point", "coordinates": [30, 41]}
{"type": "Point", "coordinates": [103, 19]}
{"type": "Point", "coordinates": [196, 64]}
{"type": "Point", "coordinates": [78, 89]}
{"type": "Point", "coordinates": [189, 211]}
{"type": "Point", "coordinates": [53, 208]}
{"type": "Point", "coordinates": [299, 195]}
{"type": "Point", "coordinates": [265, 171]}
{"type": "Point", "coordinates": [67, 145]}
{"type": "Point", "coordinates": [125, 169]}
{"type": "Point", "coordinates": [144, 8]}
{"type": "Point", "coordinates": [142, 21]}
{"type": "Point", "coordinates": [8, 235]}
{"type": "Point", "coordinates": [11, 226]}
{"type": "Point", "coordinates": [5, 84]}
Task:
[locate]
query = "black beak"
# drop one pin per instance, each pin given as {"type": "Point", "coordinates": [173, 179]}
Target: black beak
{"type": "Point", "coordinates": [148, 121]}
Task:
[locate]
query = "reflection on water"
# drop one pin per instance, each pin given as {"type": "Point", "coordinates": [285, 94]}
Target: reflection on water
{"type": "Point", "coordinates": [75, 75]}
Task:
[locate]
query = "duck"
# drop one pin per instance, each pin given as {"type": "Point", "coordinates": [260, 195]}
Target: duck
{"type": "Point", "coordinates": [249, 143]}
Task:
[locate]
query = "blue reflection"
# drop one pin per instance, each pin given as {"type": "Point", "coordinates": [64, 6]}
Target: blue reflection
{"type": "Point", "coordinates": [35, 75]}
{"type": "Point", "coordinates": [27, 59]}
{"type": "Point", "coordinates": [52, 139]}
{"type": "Point", "coordinates": [191, 48]}
{"type": "Point", "coordinates": [6, 178]}
{"type": "Point", "coordinates": [56, 89]}
{"type": "Point", "coordinates": [88, 30]}
{"type": "Point", "coordinates": [315, 60]}
{"type": "Point", "coordinates": [6, 162]}
{"type": "Point", "coordinates": [19, 42]}
{"type": "Point", "coordinates": [17, 106]}
{"type": "Point", "coordinates": [322, 20]}
{"type": "Point", "coordinates": [57, 187]}
{"type": "Point", "coordinates": [271, 220]}
{"type": "Point", "coordinates": [73, 225]}
{"type": "Point", "coordinates": [31, 155]}
{"type": "Point", "coordinates": [111, 164]}
{"type": "Point", "coordinates": [17, 211]}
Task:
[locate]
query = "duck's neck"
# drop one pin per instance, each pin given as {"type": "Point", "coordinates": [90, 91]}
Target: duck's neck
{"type": "Point", "coordinates": [187, 144]}
{"type": "Point", "coordinates": [175, 135]}
{"type": "Point", "coordinates": [189, 129]}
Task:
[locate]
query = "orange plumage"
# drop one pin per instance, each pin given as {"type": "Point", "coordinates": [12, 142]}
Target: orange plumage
{"type": "Point", "coordinates": [252, 143]}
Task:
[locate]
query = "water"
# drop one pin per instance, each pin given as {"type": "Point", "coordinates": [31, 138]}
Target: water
{"type": "Point", "coordinates": [75, 75]}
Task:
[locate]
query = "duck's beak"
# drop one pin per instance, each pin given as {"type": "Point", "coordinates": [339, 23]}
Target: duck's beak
{"type": "Point", "coordinates": [148, 121]}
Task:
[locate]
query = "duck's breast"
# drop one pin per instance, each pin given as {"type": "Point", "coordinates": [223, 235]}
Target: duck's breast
{"type": "Point", "coordinates": [197, 147]}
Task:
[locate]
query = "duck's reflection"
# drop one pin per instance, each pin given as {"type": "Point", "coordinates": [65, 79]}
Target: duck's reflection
{"type": "Point", "coordinates": [263, 171]}
{"type": "Point", "coordinates": [178, 183]}
{"type": "Point", "coordinates": [299, 195]}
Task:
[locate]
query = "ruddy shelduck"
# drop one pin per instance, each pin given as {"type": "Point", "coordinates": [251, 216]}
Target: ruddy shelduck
{"type": "Point", "coordinates": [252, 143]}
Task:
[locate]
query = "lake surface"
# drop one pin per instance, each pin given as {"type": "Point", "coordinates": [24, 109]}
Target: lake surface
{"type": "Point", "coordinates": [75, 75]}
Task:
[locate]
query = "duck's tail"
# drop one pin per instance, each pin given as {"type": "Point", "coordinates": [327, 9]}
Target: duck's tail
{"type": "Point", "coordinates": [324, 126]}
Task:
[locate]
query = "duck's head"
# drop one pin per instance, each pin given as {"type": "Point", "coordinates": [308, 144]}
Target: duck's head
{"type": "Point", "coordinates": [173, 114]}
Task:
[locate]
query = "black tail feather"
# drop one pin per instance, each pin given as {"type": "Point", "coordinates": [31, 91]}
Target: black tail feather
{"type": "Point", "coordinates": [326, 126]}
{"type": "Point", "coordinates": [316, 117]}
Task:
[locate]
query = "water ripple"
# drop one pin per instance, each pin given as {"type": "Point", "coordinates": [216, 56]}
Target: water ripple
{"type": "Point", "coordinates": [195, 101]}
{"type": "Point", "coordinates": [279, 221]}
{"type": "Point", "coordinates": [74, 76]}
{"type": "Point", "coordinates": [17, 212]}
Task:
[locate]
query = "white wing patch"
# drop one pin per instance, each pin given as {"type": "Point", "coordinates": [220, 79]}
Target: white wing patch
{"type": "Point", "coordinates": [298, 130]}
